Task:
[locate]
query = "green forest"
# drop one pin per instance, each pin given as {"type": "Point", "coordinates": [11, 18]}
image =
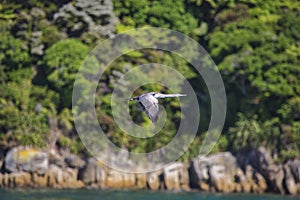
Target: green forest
{"type": "Point", "coordinates": [254, 43]}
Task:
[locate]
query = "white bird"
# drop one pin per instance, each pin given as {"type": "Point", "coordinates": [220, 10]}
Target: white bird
{"type": "Point", "coordinates": [149, 103]}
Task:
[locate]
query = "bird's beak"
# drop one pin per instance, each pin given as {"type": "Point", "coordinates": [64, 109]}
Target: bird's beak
{"type": "Point", "coordinates": [128, 99]}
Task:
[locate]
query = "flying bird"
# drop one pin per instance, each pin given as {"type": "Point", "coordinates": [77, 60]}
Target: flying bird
{"type": "Point", "coordinates": [149, 103]}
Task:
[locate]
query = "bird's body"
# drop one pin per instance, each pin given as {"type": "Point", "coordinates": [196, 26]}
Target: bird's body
{"type": "Point", "coordinates": [149, 103]}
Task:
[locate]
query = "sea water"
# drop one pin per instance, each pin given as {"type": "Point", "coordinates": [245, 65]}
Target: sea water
{"type": "Point", "coordinates": [85, 194]}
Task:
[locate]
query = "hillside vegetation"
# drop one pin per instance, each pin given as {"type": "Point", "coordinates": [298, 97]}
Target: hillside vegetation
{"type": "Point", "coordinates": [255, 44]}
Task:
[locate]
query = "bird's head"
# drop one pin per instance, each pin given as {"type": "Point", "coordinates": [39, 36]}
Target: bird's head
{"type": "Point", "coordinates": [157, 95]}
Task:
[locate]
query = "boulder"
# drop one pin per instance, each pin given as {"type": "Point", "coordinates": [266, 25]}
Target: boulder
{"type": "Point", "coordinates": [56, 159]}
{"type": "Point", "coordinates": [21, 179]}
{"type": "Point", "coordinates": [74, 161]}
{"type": "Point", "coordinates": [242, 182]}
{"type": "Point", "coordinates": [259, 158]}
{"type": "Point", "coordinates": [289, 180]}
{"type": "Point", "coordinates": [295, 169]}
{"type": "Point", "coordinates": [262, 162]}
{"type": "Point", "coordinates": [260, 184]}
{"type": "Point", "coordinates": [141, 181]}
{"type": "Point", "coordinates": [55, 175]}
{"type": "Point", "coordinates": [217, 171]}
{"type": "Point", "coordinates": [248, 184]}
{"type": "Point", "coordinates": [70, 175]}
{"type": "Point", "coordinates": [2, 157]}
{"type": "Point", "coordinates": [93, 173]}
{"type": "Point", "coordinates": [15, 179]}
{"type": "Point", "coordinates": [115, 179]}
{"type": "Point", "coordinates": [184, 178]}
{"type": "Point", "coordinates": [204, 186]}
{"type": "Point", "coordinates": [129, 180]}
{"type": "Point", "coordinates": [274, 174]}
{"type": "Point", "coordinates": [153, 180]}
{"type": "Point", "coordinates": [5, 180]}
{"type": "Point", "coordinates": [1, 163]}
{"type": "Point", "coordinates": [63, 178]}
{"type": "Point", "coordinates": [26, 159]}
{"type": "Point", "coordinates": [176, 177]}
{"type": "Point", "coordinates": [171, 176]}
{"type": "Point", "coordinates": [198, 173]}
{"type": "Point", "coordinates": [70, 179]}
{"type": "Point", "coordinates": [39, 181]}
{"type": "Point", "coordinates": [264, 159]}
{"type": "Point", "coordinates": [221, 181]}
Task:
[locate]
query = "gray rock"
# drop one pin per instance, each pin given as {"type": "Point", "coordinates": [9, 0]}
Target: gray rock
{"type": "Point", "coordinates": [2, 157]}
{"type": "Point", "coordinates": [20, 179]}
{"type": "Point", "coordinates": [56, 175]}
{"type": "Point", "coordinates": [56, 159]}
{"type": "Point", "coordinates": [154, 180]}
{"type": "Point", "coordinates": [217, 170]}
{"type": "Point", "coordinates": [176, 176]}
{"type": "Point", "coordinates": [260, 184]}
{"type": "Point", "coordinates": [141, 181]}
{"type": "Point", "coordinates": [129, 180]}
{"type": "Point", "coordinates": [262, 162]}
{"type": "Point", "coordinates": [222, 169]}
{"type": "Point", "coordinates": [244, 183]}
{"type": "Point", "coordinates": [199, 172]}
{"type": "Point", "coordinates": [1, 163]}
{"type": "Point", "coordinates": [93, 173]}
{"type": "Point", "coordinates": [115, 179]}
{"type": "Point", "coordinates": [295, 168]}
{"type": "Point", "coordinates": [74, 161]}
{"type": "Point", "coordinates": [272, 172]}
{"type": "Point", "coordinates": [275, 175]}
{"type": "Point", "coordinates": [289, 180]}
{"type": "Point", "coordinates": [26, 159]}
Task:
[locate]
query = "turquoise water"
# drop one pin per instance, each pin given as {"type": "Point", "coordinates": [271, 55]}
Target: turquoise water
{"type": "Point", "coordinates": [127, 195]}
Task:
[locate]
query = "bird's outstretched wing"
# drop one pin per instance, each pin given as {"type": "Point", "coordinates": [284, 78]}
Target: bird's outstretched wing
{"type": "Point", "coordinates": [149, 105]}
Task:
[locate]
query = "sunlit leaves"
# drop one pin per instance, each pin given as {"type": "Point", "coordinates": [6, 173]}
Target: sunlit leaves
{"type": "Point", "coordinates": [166, 14]}
{"type": "Point", "coordinates": [61, 62]}
{"type": "Point", "coordinates": [259, 56]}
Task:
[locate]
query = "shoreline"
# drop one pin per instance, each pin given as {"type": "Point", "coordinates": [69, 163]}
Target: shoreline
{"type": "Point", "coordinates": [251, 172]}
{"type": "Point", "coordinates": [196, 191]}
{"type": "Point", "coordinates": [96, 191]}
{"type": "Point", "coordinates": [133, 194]}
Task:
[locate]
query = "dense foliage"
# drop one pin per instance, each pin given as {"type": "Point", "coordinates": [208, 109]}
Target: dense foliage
{"type": "Point", "coordinates": [256, 45]}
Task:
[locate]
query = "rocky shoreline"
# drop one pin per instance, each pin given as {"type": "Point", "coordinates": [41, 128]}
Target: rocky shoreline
{"type": "Point", "coordinates": [252, 171]}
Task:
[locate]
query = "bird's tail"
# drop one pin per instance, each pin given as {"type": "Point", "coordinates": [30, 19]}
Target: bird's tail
{"type": "Point", "coordinates": [131, 99]}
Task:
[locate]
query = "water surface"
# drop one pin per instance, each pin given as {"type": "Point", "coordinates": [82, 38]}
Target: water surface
{"type": "Point", "coordinates": [84, 194]}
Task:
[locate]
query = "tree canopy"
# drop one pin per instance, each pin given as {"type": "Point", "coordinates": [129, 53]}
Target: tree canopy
{"type": "Point", "coordinates": [255, 44]}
